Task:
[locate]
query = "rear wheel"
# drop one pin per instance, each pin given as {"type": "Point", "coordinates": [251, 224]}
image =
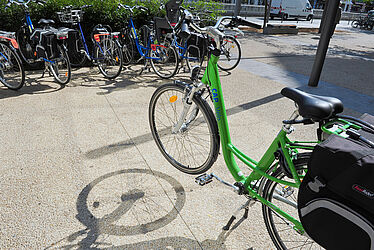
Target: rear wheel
{"type": "Point", "coordinates": [194, 148]}
{"type": "Point", "coordinates": [60, 66]}
{"type": "Point", "coordinates": [354, 24]}
{"type": "Point", "coordinates": [165, 60]}
{"type": "Point", "coordinates": [128, 47]}
{"type": "Point", "coordinates": [109, 58]}
{"type": "Point", "coordinates": [230, 53]}
{"type": "Point", "coordinates": [76, 53]}
{"type": "Point", "coordinates": [194, 57]}
{"type": "Point", "coordinates": [12, 74]}
{"type": "Point", "coordinates": [285, 197]}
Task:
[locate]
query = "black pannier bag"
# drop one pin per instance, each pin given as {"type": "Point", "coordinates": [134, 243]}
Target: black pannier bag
{"type": "Point", "coordinates": [197, 45]}
{"type": "Point", "coordinates": [73, 43]}
{"type": "Point", "coordinates": [46, 43]}
{"type": "Point", "coordinates": [336, 197]}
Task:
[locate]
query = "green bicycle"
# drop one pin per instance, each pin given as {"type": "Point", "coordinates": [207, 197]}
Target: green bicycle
{"type": "Point", "coordinates": [188, 135]}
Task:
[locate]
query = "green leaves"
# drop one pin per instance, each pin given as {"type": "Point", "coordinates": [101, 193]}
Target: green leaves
{"type": "Point", "coordinates": [101, 12]}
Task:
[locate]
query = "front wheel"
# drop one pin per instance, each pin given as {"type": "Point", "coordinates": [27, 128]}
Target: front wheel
{"type": "Point", "coordinates": [354, 24]}
{"type": "Point", "coordinates": [284, 197]}
{"type": "Point", "coordinates": [60, 66]}
{"type": "Point", "coordinates": [12, 74]}
{"type": "Point", "coordinates": [194, 147]}
{"type": "Point", "coordinates": [109, 58]}
{"type": "Point", "coordinates": [164, 60]}
{"type": "Point", "coordinates": [230, 53]}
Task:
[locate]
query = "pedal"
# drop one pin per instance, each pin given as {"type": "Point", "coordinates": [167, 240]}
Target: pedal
{"type": "Point", "coordinates": [204, 179]}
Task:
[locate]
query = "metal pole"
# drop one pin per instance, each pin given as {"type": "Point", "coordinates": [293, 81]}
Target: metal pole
{"type": "Point", "coordinates": [238, 5]}
{"type": "Point", "coordinates": [327, 30]}
{"type": "Point", "coordinates": [265, 14]}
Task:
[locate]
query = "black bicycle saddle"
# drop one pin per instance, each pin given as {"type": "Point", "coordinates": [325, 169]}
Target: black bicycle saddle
{"type": "Point", "coordinates": [46, 21]}
{"type": "Point", "coordinates": [313, 106]}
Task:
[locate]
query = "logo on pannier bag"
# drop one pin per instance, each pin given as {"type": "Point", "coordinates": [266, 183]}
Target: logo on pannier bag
{"type": "Point", "coordinates": [363, 191]}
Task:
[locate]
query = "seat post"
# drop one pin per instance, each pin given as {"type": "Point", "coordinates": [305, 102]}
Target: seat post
{"type": "Point", "coordinates": [288, 127]}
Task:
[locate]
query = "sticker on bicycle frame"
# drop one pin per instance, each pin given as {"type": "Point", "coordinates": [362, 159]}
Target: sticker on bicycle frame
{"type": "Point", "coordinates": [173, 98]}
{"type": "Point", "coordinates": [215, 95]}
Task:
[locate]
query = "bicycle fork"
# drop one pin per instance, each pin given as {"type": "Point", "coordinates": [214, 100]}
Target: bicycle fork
{"type": "Point", "coordinates": [181, 125]}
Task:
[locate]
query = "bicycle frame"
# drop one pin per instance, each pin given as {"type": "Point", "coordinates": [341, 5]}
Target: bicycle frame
{"type": "Point", "coordinates": [150, 44]}
{"type": "Point", "coordinates": [260, 168]}
{"type": "Point", "coordinates": [88, 54]}
{"type": "Point", "coordinates": [31, 29]}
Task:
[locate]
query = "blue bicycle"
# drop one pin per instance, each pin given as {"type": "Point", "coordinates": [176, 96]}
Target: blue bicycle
{"type": "Point", "coordinates": [162, 58]}
{"type": "Point", "coordinates": [106, 53]}
{"type": "Point", "coordinates": [43, 45]}
{"type": "Point", "coordinates": [12, 74]}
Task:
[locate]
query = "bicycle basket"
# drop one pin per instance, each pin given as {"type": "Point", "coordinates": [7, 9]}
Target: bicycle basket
{"type": "Point", "coordinates": [70, 16]}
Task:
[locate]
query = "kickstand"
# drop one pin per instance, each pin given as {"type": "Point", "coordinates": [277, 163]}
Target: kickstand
{"type": "Point", "coordinates": [245, 206]}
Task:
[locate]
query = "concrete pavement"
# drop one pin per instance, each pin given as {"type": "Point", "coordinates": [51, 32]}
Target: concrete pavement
{"type": "Point", "coordinates": [79, 168]}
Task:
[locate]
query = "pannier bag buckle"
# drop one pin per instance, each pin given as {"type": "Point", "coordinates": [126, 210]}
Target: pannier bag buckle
{"type": "Point", "coordinates": [316, 185]}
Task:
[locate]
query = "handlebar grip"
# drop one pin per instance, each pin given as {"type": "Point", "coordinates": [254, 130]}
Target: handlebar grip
{"type": "Point", "coordinates": [40, 2]}
{"type": "Point", "coordinates": [142, 8]}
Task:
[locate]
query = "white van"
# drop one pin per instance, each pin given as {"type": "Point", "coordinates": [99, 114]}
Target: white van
{"type": "Point", "coordinates": [291, 8]}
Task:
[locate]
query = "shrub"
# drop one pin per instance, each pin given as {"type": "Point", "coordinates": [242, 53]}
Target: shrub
{"type": "Point", "coordinates": [102, 11]}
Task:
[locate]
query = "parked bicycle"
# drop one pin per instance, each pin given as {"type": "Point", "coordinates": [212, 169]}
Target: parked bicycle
{"type": "Point", "coordinates": [106, 51]}
{"type": "Point", "coordinates": [162, 58]}
{"type": "Point", "coordinates": [12, 74]}
{"type": "Point", "coordinates": [43, 45]}
{"type": "Point", "coordinates": [366, 22]}
{"type": "Point", "coordinates": [189, 38]}
{"type": "Point", "coordinates": [188, 135]}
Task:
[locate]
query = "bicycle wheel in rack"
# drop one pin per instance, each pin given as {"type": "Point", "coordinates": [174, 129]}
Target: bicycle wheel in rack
{"type": "Point", "coordinates": [12, 74]}
{"type": "Point", "coordinates": [76, 52]}
{"type": "Point", "coordinates": [128, 47]}
{"type": "Point", "coordinates": [109, 58]}
{"type": "Point", "coordinates": [166, 64]}
{"type": "Point", "coordinates": [194, 56]}
{"type": "Point", "coordinates": [60, 67]}
{"type": "Point", "coordinates": [285, 197]}
{"type": "Point", "coordinates": [194, 148]}
{"type": "Point", "coordinates": [230, 53]}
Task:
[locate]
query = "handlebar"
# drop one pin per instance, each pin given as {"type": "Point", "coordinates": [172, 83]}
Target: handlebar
{"type": "Point", "coordinates": [142, 8]}
{"type": "Point", "coordinates": [24, 3]}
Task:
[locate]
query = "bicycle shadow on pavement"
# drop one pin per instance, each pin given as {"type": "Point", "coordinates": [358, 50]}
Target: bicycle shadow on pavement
{"type": "Point", "coordinates": [34, 85]}
{"type": "Point", "coordinates": [99, 229]}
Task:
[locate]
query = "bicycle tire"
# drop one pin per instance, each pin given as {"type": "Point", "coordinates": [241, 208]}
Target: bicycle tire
{"type": "Point", "coordinates": [77, 56]}
{"type": "Point", "coordinates": [354, 24]}
{"type": "Point", "coordinates": [61, 69]}
{"type": "Point", "coordinates": [109, 56]}
{"type": "Point", "coordinates": [128, 47]}
{"type": "Point", "coordinates": [9, 62]}
{"type": "Point", "coordinates": [195, 158]}
{"type": "Point", "coordinates": [226, 51]}
{"type": "Point", "coordinates": [167, 64]}
{"type": "Point", "coordinates": [274, 229]}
